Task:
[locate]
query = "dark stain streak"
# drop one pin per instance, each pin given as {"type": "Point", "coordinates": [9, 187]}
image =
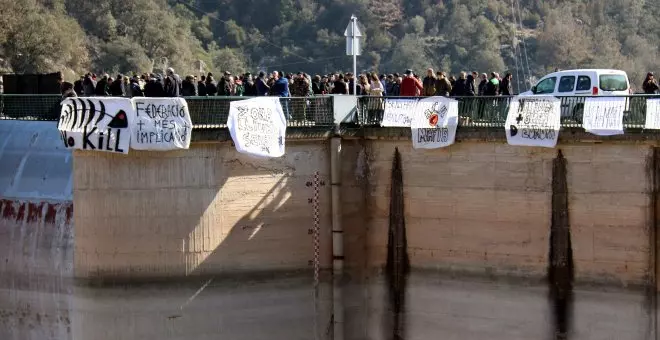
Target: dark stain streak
{"type": "Point", "coordinates": [560, 266]}
{"type": "Point", "coordinates": [398, 262]}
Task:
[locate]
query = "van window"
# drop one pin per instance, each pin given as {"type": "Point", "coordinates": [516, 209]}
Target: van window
{"type": "Point", "coordinates": [546, 85]}
{"type": "Point", "coordinates": [583, 83]}
{"type": "Point", "coordinates": [566, 84]}
{"type": "Point", "coordinates": [613, 82]}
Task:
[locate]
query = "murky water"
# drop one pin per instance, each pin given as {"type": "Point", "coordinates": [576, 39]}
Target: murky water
{"type": "Point", "coordinates": [283, 308]}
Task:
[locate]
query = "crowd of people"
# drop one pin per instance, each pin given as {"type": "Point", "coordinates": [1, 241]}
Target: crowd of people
{"type": "Point", "coordinates": [300, 84]}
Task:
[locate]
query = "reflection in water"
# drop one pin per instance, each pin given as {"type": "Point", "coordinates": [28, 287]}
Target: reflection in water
{"type": "Point", "coordinates": [281, 308]}
{"type": "Point", "coordinates": [398, 263]}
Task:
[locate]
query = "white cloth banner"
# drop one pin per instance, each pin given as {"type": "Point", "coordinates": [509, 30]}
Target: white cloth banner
{"type": "Point", "coordinates": [603, 116]}
{"type": "Point", "coordinates": [398, 112]}
{"type": "Point", "coordinates": [96, 123]}
{"type": "Point", "coordinates": [258, 126]}
{"type": "Point", "coordinates": [652, 114]}
{"type": "Point", "coordinates": [434, 122]}
{"type": "Point", "coordinates": [161, 124]}
{"type": "Point", "coordinates": [533, 121]}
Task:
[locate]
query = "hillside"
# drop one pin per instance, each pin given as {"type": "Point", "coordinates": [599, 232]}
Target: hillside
{"type": "Point", "coordinates": [525, 37]}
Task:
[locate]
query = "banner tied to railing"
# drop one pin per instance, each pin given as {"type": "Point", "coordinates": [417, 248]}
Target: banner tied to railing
{"type": "Point", "coordinates": [161, 124]}
{"type": "Point", "coordinates": [398, 112]}
{"type": "Point", "coordinates": [603, 116]}
{"type": "Point", "coordinates": [434, 122]}
{"type": "Point", "coordinates": [652, 114]}
{"type": "Point", "coordinates": [258, 126]}
{"type": "Point", "coordinates": [533, 121]}
{"type": "Point", "coordinates": [115, 124]}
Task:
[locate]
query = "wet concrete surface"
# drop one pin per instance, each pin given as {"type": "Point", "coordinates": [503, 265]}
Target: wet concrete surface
{"type": "Point", "coordinates": [283, 308]}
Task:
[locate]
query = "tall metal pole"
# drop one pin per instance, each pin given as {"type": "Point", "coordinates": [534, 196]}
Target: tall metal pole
{"type": "Point", "coordinates": [355, 75]}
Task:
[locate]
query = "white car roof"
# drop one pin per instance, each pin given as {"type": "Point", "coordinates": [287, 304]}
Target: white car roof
{"type": "Point", "coordinates": [586, 70]}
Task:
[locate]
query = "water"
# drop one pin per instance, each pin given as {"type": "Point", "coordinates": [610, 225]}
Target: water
{"type": "Point", "coordinates": [283, 308]}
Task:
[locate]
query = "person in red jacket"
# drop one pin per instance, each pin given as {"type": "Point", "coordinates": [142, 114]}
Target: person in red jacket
{"type": "Point", "coordinates": [410, 86]}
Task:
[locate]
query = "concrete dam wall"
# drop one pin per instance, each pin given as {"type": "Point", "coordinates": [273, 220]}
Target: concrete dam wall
{"type": "Point", "coordinates": [478, 207]}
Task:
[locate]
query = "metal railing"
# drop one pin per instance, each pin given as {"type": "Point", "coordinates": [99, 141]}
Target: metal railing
{"type": "Point", "coordinates": [205, 112]}
{"type": "Point", "coordinates": [212, 112]}
{"type": "Point", "coordinates": [487, 111]}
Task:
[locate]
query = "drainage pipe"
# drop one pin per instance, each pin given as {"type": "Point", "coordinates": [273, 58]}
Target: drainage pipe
{"type": "Point", "coordinates": [337, 239]}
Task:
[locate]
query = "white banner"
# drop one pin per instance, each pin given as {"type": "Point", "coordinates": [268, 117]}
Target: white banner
{"type": "Point", "coordinates": [96, 123]}
{"type": "Point", "coordinates": [258, 126]}
{"type": "Point", "coordinates": [603, 116]}
{"type": "Point", "coordinates": [398, 112]}
{"type": "Point", "coordinates": [533, 121]}
{"type": "Point", "coordinates": [161, 124]}
{"type": "Point", "coordinates": [434, 122]}
{"type": "Point", "coordinates": [652, 114]}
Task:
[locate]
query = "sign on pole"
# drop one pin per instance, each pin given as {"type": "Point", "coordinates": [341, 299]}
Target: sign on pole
{"type": "Point", "coordinates": [352, 34]}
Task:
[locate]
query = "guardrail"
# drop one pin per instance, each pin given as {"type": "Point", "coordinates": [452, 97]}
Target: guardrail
{"type": "Point", "coordinates": [212, 112]}
{"type": "Point", "coordinates": [205, 112]}
{"type": "Point", "coordinates": [489, 111]}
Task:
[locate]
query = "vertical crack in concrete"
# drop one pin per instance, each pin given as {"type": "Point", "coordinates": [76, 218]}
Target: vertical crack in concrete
{"type": "Point", "coordinates": [560, 259]}
{"type": "Point", "coordinates": [398, 263]}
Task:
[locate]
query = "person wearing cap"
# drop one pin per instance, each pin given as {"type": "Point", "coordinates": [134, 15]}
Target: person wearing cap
{"type": "Point", "coordinates": [410, 86]}
{"type": "Point", "coordinates": [650, 86]}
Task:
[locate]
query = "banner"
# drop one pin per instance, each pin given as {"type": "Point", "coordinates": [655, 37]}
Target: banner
{"type": "Point", "coordinates": [258, 126]}
{"type": "Point", "coordinates": [398, 112]}
{"type": "Point", "coordinates": [161, 124]}
{"type": "Point", "coordinates": [533, 121]}
{"type": "Point", "coordinates": [652, 114]}
{"type": "Point", "coordinates": [603, 116]}
{"type": "Point", "coordinates": [96, 123]}
{"type": "Point", "coordinates": [434, 122]}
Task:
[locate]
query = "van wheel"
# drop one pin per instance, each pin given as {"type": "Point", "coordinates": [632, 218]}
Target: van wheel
{"type": "Point", "coordinates": [578, 113]}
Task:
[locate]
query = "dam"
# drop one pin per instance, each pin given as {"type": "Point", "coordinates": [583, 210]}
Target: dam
{"type": "Point", "coordinates": [208, 242]}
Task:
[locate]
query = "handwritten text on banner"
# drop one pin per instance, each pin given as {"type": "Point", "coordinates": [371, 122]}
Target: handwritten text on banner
{"type": "Point", "coordinates": [398, 112]}
{"type": "Point", "coordinates": [96, 123]}
{"type": "Point", "coordinates": [161, 124]}
{"type": "Point", "coordinates": [533, 121]}
{"type": "Point", "coordinates": [434, 122]}
{"type": "Point", "coordinates": [652, 114]}
{"type": "Point", "coordinates": [258, 126]}
{"type": "Point", "coordinates": [603, 116]}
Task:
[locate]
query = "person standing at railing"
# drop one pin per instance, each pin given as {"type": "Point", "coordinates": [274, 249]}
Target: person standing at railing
{"type": "Point", "coordinates": [506, 89]}
{"type": "Point", "coordinates": [201, 86]}
{"type": "Point", "coordinates": [442, 85]}
{"type": "Point", "coordinates": [460, 86]}
{"type": "Point", "coordinates": [482, 84]}
{"type": "Point", "coordinates": [280, 88]}
{"type": "Point", "coordinates": [410, 86]}
{"type": "Point", "coordinates": [89, 85]}
{"type": "Point", "coordinates": [650, 86]}
{"type": "Point", "coordinates": [429, 83]}
{"type": "Point", "coordinates": [262, 86]}
{"type": "Point", "coordinates": [340, 86]}
{"type": "Point", "coordinates": [67, 90]}
{"type": "Point", "coordinates": [493, 86]}
{"type": "Point", "coordinates": [469, 85]}
{"type": "Point", "coordinates": [376, 88]}
{"type": "Point", "coordinates": [102, 87]}
{"type": "Point", "coordinates": [188, 87]}
{"type": "Point", "coordinates": [250, 88]}
{"type": "Point", "coordinates": [136, 91]}
{"type": "Point", "coordinates": [211, 85]}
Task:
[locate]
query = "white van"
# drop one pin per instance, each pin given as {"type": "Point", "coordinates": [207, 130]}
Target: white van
{"type": "Point", "coordinates": [585, 82]}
